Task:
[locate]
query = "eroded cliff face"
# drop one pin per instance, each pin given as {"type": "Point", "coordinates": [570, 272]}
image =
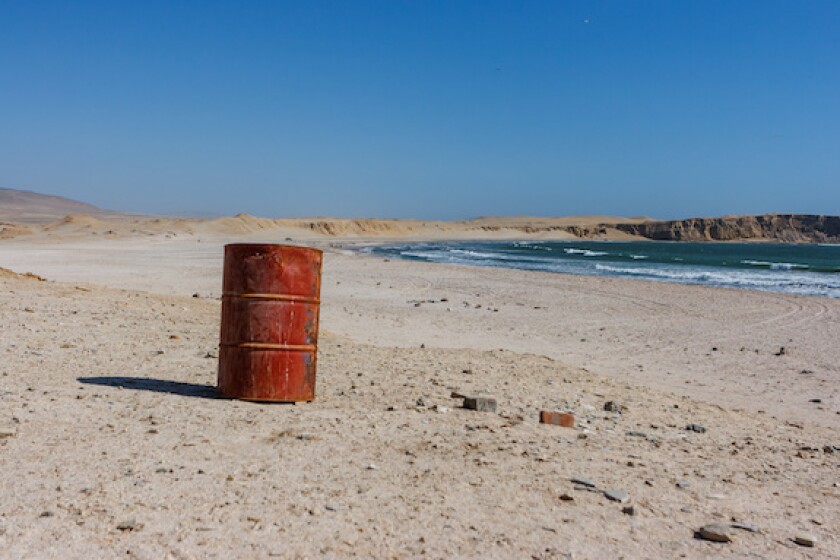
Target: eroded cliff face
{"type": "Point", "coordinates": [785, 228]}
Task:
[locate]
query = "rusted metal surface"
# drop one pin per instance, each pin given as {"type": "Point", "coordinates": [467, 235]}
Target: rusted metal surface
{"type": "Point", "coordinates": [269, 334]}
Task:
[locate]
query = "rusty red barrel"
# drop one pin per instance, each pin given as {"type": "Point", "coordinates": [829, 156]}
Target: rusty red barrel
{"type": "Point", "coordinates": [269, 334]}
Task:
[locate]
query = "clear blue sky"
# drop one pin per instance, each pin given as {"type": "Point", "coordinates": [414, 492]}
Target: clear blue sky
{"type": "Point", "coordinates": [424, 109]}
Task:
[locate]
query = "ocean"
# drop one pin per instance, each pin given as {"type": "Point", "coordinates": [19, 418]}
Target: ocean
{"type": "Point", "coordinates": [812, 270]}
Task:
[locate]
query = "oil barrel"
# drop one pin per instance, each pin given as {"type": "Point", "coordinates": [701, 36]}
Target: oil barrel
{"type": "Point", "coordinates": [269, 330]}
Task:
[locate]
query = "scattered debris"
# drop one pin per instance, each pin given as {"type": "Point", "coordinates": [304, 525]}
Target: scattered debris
{"type": "Point", "coordinates": [617, 496]}
{"type": "Point", "coordinates": [745, 527]}
{"type": "Point", "coordinates": [562, 419]}
{"type": "Point", "coordinates": [805, 539]}
{"type": "Point", "coordinates": [480, 404]}
{"type": "Point", "coordinates": [129, 525]}
{"type": "Point", "coordinates": [715, 532]}
{"type": "Point", "coordinates": [612, 406]}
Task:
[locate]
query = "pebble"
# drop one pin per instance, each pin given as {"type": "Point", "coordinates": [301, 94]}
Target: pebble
{"type": "Point", "coordinates": [805, 539]}
{"type": "Point", "coordinates": [612, 406]}
{"type": "Point", "coordinates": [715, 532]}
{"type": "Point", "coordinates": [480, 404]}
{"type": "Point", "coordinates": [129, 525]}
{"type": "Point", "coordinates": [331, 507]}
{"type": "Point", "coordinates": [583, 482]}
{"type": "Point", "coordinates": [617, 496]}
{"type": "Point", "coordinates": [635, 433]}
{"type": "Point", "coordinates": [683, 484]}
{"type": "Point", "coordinates": [567, 497]}
{"type": "Point", "coordinates": [629, 510]}
{"type": "Point", "coordinates": [745, 527]}
{"type": "Point", "coordinates": [7, 432]}
{"type": "Point", "coordinates": [696, 428]}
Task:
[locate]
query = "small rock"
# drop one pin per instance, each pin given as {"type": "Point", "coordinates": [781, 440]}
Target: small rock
{"type": "Point", "coordinates": [129, 525]}
{"type": "Point", "coordinates": [635, 433]}
{"type": "Point", "coordinates": [683, 484]}
{"type": "Point", "coordinates": [421, 401]}
{"type": "Point", "coordinates": [696, 428]}
{"type": "Point", "coordinates": [583, 481]}
{"type": "Point", "coordinates": [715, 532]}
{"type": "Point", "coordinates": [817, 401]}
{"type": "Point", "coordinates": [612, 406]}
{"type": "Point", "coordinates": [456, 395]}
{"type": "Point", "coordinates": [617, 496]}
{"type": "Point", "coordinates": [7, 432]}
{"type": "Point", "coordinates": [629, 510]}
{"type": "Point", "coordinates": [46, 514]}
{"type": "Point", "coordinates": [745, 527]}
{"type": "Point", "coordinates": [805, 539]}
{"type": "Point", "coordinates": [716, 496]}
{"type": "Point", "coordinates": [371, 467]}
{"type": "Point", "coordinates": [331, 507]}
{"type": "Point", "coordinates": [782, 351]}
{"type": "Point", "coordinates": [567, 497]}
{"type": "Point", "coordinates": [480, 404]}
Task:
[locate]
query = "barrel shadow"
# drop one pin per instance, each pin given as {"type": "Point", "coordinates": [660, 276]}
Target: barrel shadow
{"type": "Point", "coordinates": [155, 386]}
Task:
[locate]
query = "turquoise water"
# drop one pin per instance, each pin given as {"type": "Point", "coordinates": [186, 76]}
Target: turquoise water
{"type": "Point", "coordinates": [796, 269]}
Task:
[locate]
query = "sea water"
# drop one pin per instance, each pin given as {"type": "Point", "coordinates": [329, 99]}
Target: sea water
{"type": "Point", "coordinates": [796, 269]}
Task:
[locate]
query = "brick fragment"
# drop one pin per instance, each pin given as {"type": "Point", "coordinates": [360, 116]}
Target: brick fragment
{"type": "Point", "coordinates": [563, 419]}
{"type": "Point", "coordinates": [480, 404]}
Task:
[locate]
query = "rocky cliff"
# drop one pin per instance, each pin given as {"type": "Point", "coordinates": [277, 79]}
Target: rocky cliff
{"type": "Point", "coordinates": [784, 228]}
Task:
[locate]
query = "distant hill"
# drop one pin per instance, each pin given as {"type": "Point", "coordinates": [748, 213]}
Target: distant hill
{"type": "Point", "coordinates": [34, 208]}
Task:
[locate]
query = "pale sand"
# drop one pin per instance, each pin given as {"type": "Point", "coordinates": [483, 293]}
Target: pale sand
{"type": "Point", "coordinates": [453, 483]}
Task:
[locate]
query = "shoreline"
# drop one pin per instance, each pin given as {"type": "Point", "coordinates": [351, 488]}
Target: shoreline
{"type": "Point", "coordinates": [678, 271]}
{"type": "Point", "coordinates": [654, 334]}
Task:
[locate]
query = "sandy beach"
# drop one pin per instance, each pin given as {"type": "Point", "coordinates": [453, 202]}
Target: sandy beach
{"type": "Point", "coordinates": [114, 445]}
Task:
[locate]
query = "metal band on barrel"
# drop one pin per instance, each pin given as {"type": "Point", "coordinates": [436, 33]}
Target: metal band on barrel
{"type": "Point", "coordinates": [269, 346]}
{"type": "Point", "coordinates": [281, 297]}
